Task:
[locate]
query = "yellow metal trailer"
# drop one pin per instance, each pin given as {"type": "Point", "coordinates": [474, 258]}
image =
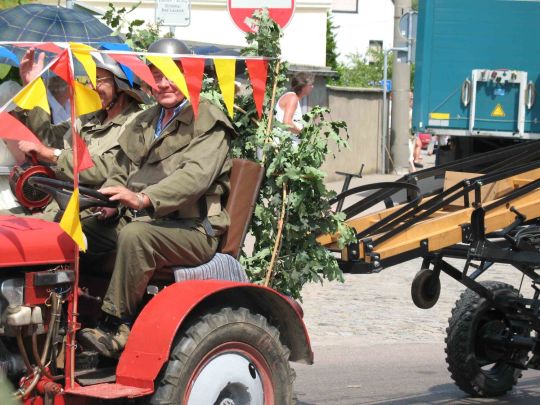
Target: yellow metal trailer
{"type": "Point", "coordinates": [483, 210]}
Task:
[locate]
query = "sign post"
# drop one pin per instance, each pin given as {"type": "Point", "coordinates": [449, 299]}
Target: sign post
{"type": "Point", "coordinates": [281, 11]}
{"type": "Point", "coordinates": [173, 13]}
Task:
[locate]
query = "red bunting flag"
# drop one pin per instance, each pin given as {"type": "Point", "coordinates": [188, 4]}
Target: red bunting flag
{"type": "Point", "coordinates": [61, 66]}
{"type": "Point", "coordinates": [44, 46]}
{"type": "Point", "coordinates": [193, 71]}
{"type": "Point", "coordinates": [138, 67]}
{"type": "Point", "coordinates": [11, 128]}
{"type": "Point", "coordinates": [258, 73]}
{"type": "Point", "coordinates": [84, 160]}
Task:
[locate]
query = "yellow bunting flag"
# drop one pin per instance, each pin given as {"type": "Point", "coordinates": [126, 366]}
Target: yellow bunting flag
{"type": "Point", "coordinates": [225, 70]}
{"type": "Point", "coordinates": [86, 99]}
{"type": "Point", "coordinates": [82, 53]}
{"type": "Point", "coordinates": [33, 95]}
{"type": "Point", "coordinates": [171, 71]}
{"type": "Point", "coordinates": [71, 223]}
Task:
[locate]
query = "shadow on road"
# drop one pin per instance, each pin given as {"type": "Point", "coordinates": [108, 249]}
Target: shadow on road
{"type": "Point", "coordinates": [526, 393]}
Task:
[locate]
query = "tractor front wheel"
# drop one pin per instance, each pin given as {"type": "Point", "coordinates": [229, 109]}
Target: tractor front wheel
{"type": "Point", "coordinates": [232, 357]}
{"type": "Point", "coordinates": [480, 362]}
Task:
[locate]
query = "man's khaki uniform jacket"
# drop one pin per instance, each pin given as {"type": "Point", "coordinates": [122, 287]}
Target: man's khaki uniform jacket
{"type": "Point", "coordinates": [185, 167]}
{"type": "Point", "coordinates": [101, 141]}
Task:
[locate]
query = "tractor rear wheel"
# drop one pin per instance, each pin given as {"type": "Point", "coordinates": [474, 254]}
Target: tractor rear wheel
{"type": "Point", "coordinates": [232, 357]}
{"type": "Point", "coordinates": [478, 362]}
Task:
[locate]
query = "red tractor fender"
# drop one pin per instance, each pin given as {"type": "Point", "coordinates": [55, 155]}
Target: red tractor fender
{"type": "Point", "coordinates": [158, 323]}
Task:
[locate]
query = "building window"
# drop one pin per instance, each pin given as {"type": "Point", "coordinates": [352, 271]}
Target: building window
{"type": "Point", "coordinates": [375, 47]}
{"type": "Point", "coordinates": [345, 6]}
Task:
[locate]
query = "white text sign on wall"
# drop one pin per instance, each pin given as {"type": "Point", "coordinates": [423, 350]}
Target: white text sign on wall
{"type": "Point", "coordinates": [175, 13]}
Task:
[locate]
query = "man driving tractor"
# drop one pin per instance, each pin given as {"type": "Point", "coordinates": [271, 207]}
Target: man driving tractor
{"type": "Point", "coordinates": [171, 174]}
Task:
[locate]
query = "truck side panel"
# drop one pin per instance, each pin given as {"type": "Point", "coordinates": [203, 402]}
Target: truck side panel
{"type": "Point", "coordinates": [457, 36]}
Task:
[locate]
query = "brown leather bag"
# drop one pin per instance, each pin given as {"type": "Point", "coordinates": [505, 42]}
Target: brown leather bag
{"type": "Point", "coordinates": [246, 178]}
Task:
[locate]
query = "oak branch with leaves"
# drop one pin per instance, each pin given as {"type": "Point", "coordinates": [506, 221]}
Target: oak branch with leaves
{"type": "Point", "coordinates": [293, 183]}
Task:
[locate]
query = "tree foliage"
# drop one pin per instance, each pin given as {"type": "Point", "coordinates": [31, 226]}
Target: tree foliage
{"type": "Point", "coordinates": [291, 171]}
{"type": "Point", "coordinates": [13, 3]}
{"type": "Point", "coordinates": [331, 45]}
{"type": "Point", "coordinates": [137, 35]}
{"type": "Point", "coordinates": [363, 70]}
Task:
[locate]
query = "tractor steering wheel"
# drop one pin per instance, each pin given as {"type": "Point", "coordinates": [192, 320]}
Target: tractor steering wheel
{"type": "Point", "coordinates": [61, 191]}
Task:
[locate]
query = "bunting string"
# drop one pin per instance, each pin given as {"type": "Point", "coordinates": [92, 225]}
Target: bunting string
{"type": "Point", "coordinates": [185, 70]}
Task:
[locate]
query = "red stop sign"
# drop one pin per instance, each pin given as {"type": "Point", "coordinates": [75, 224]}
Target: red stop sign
{"type": "Point", "coordinates": [280, 11]}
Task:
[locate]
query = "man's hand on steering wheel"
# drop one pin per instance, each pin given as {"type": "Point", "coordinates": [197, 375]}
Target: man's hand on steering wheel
{"type": "Point", "coordinates": [126, 197]}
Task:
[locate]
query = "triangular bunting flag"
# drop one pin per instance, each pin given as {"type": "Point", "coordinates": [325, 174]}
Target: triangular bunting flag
{"type": "Point", "coordinates": [171, 71]}
{"type": "Point", "coordinates": [11, 128]}
{"type": "Point", "coordinates": [194, 71]}
{"type": "Point", "coordinates": [5, 53]}
{"type": "Point", "coordinates": [138, 67]}
{"type": "Point", "coordinates": [33, 95]}
{"type": "Point", "coordinates": [71, 223]}
{"type": "Point", "coordinates": [86, 99]}
{"type": "Point", "coordinates": [258, 73]}
{"type": "Point", "coordinates": [120, 47]}
{"type": "Point", "coordinates": [82, 53]}
{"type": "Point", "coordinates": [44, 46]}
{"type": "Point", "coordinates": [225, 70]}
{"type": "Point", "coordinates": [84, 160]}
{"type": "Point", "coordinates": [61, 66]}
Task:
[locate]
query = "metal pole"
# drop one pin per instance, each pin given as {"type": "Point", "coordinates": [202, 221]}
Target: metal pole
{"type": "Point", "coordinates": [385, 113]}
{"type": "Point", "coordinates": [384, 136]}
{"type": "Point", "coordinates": [399, 134]}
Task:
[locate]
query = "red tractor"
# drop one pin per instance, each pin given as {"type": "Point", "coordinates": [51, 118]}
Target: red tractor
{"type": "Point", "coordinates": [206, 340]}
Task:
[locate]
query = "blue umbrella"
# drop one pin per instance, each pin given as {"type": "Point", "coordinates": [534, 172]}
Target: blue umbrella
{"type": "Point", "coordinates": [41, 23]}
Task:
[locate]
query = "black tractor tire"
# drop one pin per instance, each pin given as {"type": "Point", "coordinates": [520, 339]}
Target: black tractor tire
{"type": "Point", "coordinates": [229, 332]}
{"type": "Point", "coordinates": [478, 368]}
{"type": "Point", "coordinates": [425, 290]}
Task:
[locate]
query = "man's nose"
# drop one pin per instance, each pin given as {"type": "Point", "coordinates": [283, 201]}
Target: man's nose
{"type": "Point", "coordinates": [162, 81]}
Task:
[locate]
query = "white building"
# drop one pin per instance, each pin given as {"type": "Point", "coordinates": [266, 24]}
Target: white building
{"type": "Point", "coordinates": [304, 41]}
{"type": "Point", "coordinates": [362, 24]}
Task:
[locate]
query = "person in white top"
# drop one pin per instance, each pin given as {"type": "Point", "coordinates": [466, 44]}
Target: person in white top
{"type": "Point", "coordinates": [288, 110]}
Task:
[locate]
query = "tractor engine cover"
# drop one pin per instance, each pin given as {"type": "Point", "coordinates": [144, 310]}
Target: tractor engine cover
{"type": "Point", "coordinates": [28, 196]}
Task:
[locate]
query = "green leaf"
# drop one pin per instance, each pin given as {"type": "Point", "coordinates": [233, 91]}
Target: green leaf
{"type": "Point", "coordinates": [4, 70]}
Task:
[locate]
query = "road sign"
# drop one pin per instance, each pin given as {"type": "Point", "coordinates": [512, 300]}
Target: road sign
{"type": "Point", "coordinates": [281, 11]}
{"type": "Point", "coordinates": [407, 29]}
{"type": "Point", "coordinates": [173, 13]}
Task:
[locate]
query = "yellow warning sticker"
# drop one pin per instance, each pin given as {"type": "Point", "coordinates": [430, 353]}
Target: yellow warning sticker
{"type": "Point", "coordinates": [498, 111]}
{"type": "Point", "coordinates": [439, 116]}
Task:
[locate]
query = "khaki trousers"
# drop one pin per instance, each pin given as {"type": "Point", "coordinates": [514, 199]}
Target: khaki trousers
{"type": "Point", "coordinates": [141, 248]}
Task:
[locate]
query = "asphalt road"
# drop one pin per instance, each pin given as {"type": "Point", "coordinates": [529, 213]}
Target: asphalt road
{"type": "Point", "coordinates": [391, 374]}
{"type": "Point", "coordinates": [373, 346]}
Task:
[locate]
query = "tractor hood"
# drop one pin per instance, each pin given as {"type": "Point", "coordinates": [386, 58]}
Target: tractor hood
{"type": "Point", "coordinates": [31, 241]}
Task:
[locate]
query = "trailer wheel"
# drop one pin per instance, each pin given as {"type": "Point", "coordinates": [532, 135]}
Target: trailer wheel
{"type": "Point", "coordinates": [425, 289]}
{"type": "Point", "coordinates": [477, 365]}
{"type": "Point", "coordinates": [229, 357]}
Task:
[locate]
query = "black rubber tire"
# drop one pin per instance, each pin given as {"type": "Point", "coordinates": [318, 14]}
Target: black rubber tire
{"type": "Point", "coordinates": [213, 330]}
{"type": "Point", "coordinates": [423, 294]}
{"type": "Point", "coordinates": [464, 349]}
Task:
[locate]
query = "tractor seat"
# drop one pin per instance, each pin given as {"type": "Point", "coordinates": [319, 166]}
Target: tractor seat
{"type": "Point", "coordinates": [221, 267]}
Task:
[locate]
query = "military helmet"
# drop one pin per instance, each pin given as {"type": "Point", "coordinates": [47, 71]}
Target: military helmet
{"type": "Point", "coordinates": [169, 46]}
